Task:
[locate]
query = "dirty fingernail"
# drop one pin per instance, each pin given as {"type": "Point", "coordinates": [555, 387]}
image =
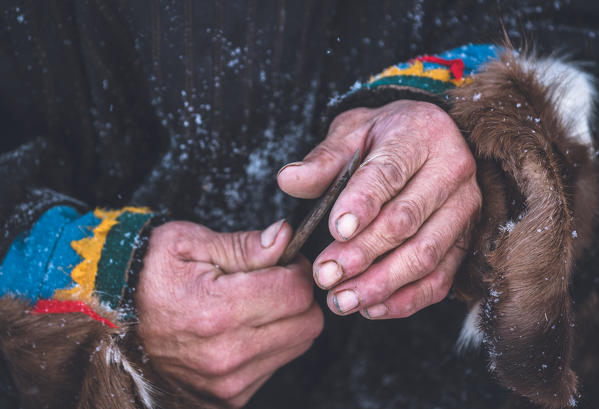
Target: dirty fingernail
{"type": "Point", "coordinates": [345, 300]}
{"type": "Point", "coordinates": [268, 236]}
{"type": "Point", "coordinates": [376, 311]}
{"type": "Point", "coordinates": [347, 225]}
{"type": "Point", "coordinates": [328, 273]}
{"type": "Point", "coordinates": [289, 165]}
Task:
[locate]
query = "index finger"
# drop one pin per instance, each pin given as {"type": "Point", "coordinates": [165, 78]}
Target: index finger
{"type": "Point", "coordinates": [309, 178]}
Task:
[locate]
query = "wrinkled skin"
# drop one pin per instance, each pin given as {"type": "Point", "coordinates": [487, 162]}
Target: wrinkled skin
{"type": "Point", "coordinates": [215, 315]}
{"type": "Point", "coordinates": [401, 224]}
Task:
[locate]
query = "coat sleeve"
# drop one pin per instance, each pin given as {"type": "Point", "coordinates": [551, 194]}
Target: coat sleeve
{"type": "Point", "coordinates": [71, 256]}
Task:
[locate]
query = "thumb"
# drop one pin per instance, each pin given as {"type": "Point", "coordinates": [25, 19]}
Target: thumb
{"type": "Point", "coordinates": [250, 250]}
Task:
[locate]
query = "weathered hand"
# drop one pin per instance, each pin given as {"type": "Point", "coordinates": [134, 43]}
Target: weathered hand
{"type": "Point", "coordinates": [402, 222]}
{"type": "Point", "coordinates": [224, 334]}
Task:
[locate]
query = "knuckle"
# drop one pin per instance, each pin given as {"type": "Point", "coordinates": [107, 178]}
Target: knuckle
{"type": "Point", "coordinates": [425, 257]}
{"type": "Point", "coordinates": [315, 323]}
{"type": "Point", "coordinates": [215, 363]}
{"type": "Point", "coordinates": [207, 327]}
{"type": "Point", "coordinates": [427, 294]}
{"type": "Point", "coordinates": [464, 165]}
{"type": "Point", "coordinates": [386, 175]}
{"type": "Point", "coordinates": [440, 284]}
{"type": "Point", "coordinates": [439, 294]}
{"type": "Point", "coordinates": [227, 388]}
{"type": "Point", "coordinates": [176, 235]}
{"type": "Point", "coordinates": [392, 173]}
{"type": "Point", "coordinates": [405, 219]}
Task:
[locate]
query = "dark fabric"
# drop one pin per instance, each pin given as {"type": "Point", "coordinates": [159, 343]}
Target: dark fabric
{"type": "Point", "coordinates": [192, 106]}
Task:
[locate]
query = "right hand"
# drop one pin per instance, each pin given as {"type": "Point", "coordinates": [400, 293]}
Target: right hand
{"type": "Point", "coordinates": [216, 316]}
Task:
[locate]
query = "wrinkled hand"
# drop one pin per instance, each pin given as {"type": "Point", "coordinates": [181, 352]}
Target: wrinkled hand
{"type": "Point", "coordinates": [402, 222]}
{"type": "Point", "coordinates": [224, 334]}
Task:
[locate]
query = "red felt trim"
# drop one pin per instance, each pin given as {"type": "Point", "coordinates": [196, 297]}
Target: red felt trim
{"type": "Point", "coordinates": [66, 307]}
{"type": "Point", "coordinates": [456, 67]}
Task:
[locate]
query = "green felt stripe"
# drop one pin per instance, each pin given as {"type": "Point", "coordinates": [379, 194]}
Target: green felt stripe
{"type": "Point", "coordinates": [116, 255]}
{"type": "Point", "coordinates": [424, 83]}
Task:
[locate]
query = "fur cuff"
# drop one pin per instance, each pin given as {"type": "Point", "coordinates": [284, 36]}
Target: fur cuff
{"type": "Point", "coordinates": [527, 123]}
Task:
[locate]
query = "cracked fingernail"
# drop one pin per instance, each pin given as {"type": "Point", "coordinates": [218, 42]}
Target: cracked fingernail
{"type": "Point", "coordinates": [269, 235]}
{"type": "Point", "coordinates": [345, 300]}
{"type": "Point", "coordinates": [347, 225]}
{"type": "Point", "coordinates": [289, 165]}
{"type": "Point", "coordinates": [328, 273]}
{"type": "Point", "coordinates": [376, 311]}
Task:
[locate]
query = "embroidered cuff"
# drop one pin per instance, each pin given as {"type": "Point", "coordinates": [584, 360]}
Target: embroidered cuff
{"type": "Point", "coordinates": [426, 78]}
{"type": "Point", "coordinates": [69, 256]}
{"type": "Point", "coordinates": [437, 74]}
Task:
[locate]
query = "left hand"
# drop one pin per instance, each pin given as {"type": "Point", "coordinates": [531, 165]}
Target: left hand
{"type": "Point", "coordinates": [402, 223]}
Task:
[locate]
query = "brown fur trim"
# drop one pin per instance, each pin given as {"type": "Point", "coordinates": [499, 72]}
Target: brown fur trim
{"type": "Point", "coordinates": [67, 361]}
{"type": "Point", "coordinates": [535, 179]}
{"type": "Point", "coordinates": [59, 360]}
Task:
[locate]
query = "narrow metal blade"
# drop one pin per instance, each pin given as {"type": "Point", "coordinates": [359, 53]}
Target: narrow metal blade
{"type": "Point", "coordinates": [321, 208]}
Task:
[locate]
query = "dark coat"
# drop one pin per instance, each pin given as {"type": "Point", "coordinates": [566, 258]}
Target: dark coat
{"type": "Point", "coordinates": [191, 107]}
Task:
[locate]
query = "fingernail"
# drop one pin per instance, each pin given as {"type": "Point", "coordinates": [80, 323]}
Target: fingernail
{"type": "Point", "coordinates": [345, 300]}
{"type": "Point", "coordinates": [268, 236]}
{"type": "Point", "coordinates": [347, 225]}
{"type": "Point", "coordinates": [289, 165]}
{"type": "Point", "coordinates": [328, 273]}
{"type": "Point", "coordinates": [376, 311]}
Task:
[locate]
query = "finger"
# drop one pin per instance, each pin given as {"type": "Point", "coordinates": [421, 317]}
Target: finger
{"type": "Point", "coordinates": [230, 252]}
{"type": "Point", "coordinates": [243, 398]}
{"type": "Point", "coordinates": [397, 221]}
{"type": "Point", "coordinates": [251, 299]}
{"type": "Point", "coordinates": [222, 355]}
{"type": "Point", "coordinates": [309, 178]}
{"type": "Point", "coordinates": [235, 385]}
{"type": "Point", "coordinates": [416, 258]}
{"type": "Point", "coordinates": [420, 294]}
{"type": "Point", "coordinates": [245, 343]}
{"type": "Point", "coordinates": [268, 365]}
{"type": "Point", "coordinates": [384, 172]}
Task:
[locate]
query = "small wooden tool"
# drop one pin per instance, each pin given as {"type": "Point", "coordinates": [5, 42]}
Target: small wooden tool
{"type": "Point", "coordinates": [319, 210]}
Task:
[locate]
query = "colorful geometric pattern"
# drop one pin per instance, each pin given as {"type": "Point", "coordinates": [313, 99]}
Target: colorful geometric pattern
{"type": "Point", "coordinates": [68, 257]}
{"type": "Point", "coordinates": [437, 73]}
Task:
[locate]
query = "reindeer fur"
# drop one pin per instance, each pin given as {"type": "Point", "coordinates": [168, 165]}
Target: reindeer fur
{"type": "Point", "coordinates": [539, 185]}
{"type": "Point", "coordinates": [64, 361]}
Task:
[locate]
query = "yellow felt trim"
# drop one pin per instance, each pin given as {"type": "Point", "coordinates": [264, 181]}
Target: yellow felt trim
{"type": "Point", "coordinates": [90, 249]}
{"type": "Point", "coordinates": [417, 70]}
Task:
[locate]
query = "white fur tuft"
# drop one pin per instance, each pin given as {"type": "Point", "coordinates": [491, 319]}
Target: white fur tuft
{"type": "Point", "coordinates": [471, 335]}
{"type": "Point", "coordinates": [574, 94]}
{"type": "Point", "coordinates": [144, 388]}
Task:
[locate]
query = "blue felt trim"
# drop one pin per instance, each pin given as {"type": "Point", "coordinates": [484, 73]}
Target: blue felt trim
{"type": "Point", "coordinates": [474, 57]}
{"type": "Point", "coordinates": [40, 260]}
